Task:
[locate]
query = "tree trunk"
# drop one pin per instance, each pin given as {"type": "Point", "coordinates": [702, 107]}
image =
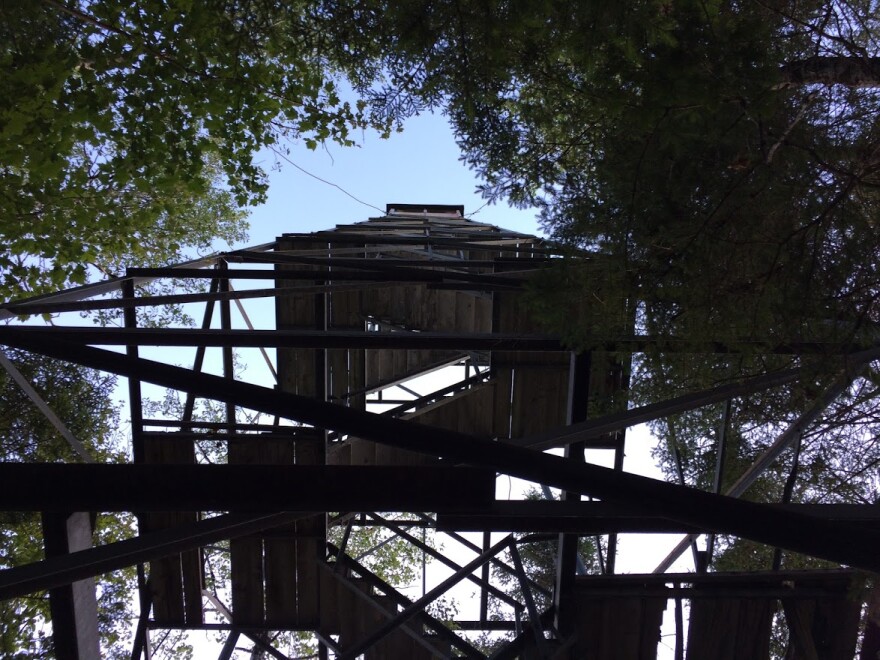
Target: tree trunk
{"type": "Point", "coordinates": [849, 71]}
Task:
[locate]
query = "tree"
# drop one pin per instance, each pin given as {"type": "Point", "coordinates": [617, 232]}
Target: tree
{"type": "Point", "coordinates": [721, 160]}
{"type": "Point", "coordinates": [674, 137]}
{"type": "Point", "coordinates": [130, 132]}
{"type": "Point", "coordinates": [81, 398]}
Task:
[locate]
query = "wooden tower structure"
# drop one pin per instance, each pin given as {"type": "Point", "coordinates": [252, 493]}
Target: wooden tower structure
{"type": "Point", "coordinates": [358, 313]}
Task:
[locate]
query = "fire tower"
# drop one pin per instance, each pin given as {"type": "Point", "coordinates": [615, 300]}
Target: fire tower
{"type": "Point", "coordinates": [346, 441]}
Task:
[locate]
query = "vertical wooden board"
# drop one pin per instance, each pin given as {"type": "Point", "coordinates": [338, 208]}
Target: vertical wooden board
{"type": "Point", "coordinates": [280, 552]}
{"type": "Point", "coordinates": [246, 568]}
{"type": "Point", "coordinates": [356, 378]}
{"type": "Point", "coordinates": [729, 628]}
{"type": "Point", "coordinates": [401, 645]}
{"type": "Point", "coordinates": [445, 301]}
{"type": "Point", "coordinates": [482, 314]}
{"type": "Point", "coordinates": [465, 320]}
{"type": "Point", "coordinates": [337, 363]}
{"type": "Point", "coordinates": [339, 454]}
{"type": "Point", "coordinates": [331, 609]}
{"type": "Point", "coordinates": [363, 452]}
{"type": "Point", "coordinates": [836, 626]}
{"type": "Point", "coordinates": [556, 412]}
{"type": "Point", "coordinates": [539, 400]}
{"type": "Point", "coordinates": [399, 307]}
{"type": "Point", "coordinates": [345, 312]}
{"type": "Point", "coordinates": [589, 627]}
{"type": "Point", "coordinates": [386, 455]}
{"type": "Point", "coordinates": [416, 310]}
{"type": "Point", "coordinates": [754, 620]}
{"type": "Point", "coordinates": [369, 300]}
{"type": "Point", "coordinates": [443, 648]}
{"type": "Point", "coordinates": [166, 586]}
{"type": "Point", "coordinates": [309, 551]}
{"type": "Point", "coordinates": [191, 565]}
{"type": "Point", "coordinates": [310, 543]}
{"type": "Point", "coordinates": [386, 365]}
{"type": "Point", "coordinates": [652, 621]}
{"type": "Point", "coordinates": [345, 606]}
{"type": "Point", "coordinates": [399, 363]}
{"type": "Point", "coordinates": [501, 402]}
{"type": "Point", "coordinates": [623, 623]}
{"type": "Point", "coordinates": [297, 370]}
{"type": "Point", "coordinates": [371, 367]}
{"type": "Point", "coordinates": [474, 416]}
{"type": "Point", "coordinates": [383, 301]}
{"type": "Point", "coordinates": [525, 400]}
{"type": "Point", "coordinates": [281, 581]}
{"type": "Point", "coordinates": [167, 574]}
{"type": "Point", "coordinates": [384, 648]}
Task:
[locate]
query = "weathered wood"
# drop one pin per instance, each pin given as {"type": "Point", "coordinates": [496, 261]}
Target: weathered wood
{"type": "Point", "coordinates": [729, 629]}
{"type": "Point", "coordinates": [73, 607]}
{"type": "Point", "coordinates": [171, 602]}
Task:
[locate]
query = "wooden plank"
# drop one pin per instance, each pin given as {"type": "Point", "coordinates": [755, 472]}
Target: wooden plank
{"type": "Point", "coordinates": [465, 310]}
{"type": "Point", "coordinates": [468, 412]}
{"type": "Point", "coordinates": [246, 570]}
{"type": "Point", "coordinates": [331, 609]}
{"type": "Point", "coordinates": [501, 402]}
{"type": "Point", "coordinates": [310, 544]}
{"type": "Point", "coordinates": [617, 628]}
{"type": "Point", "coordinates": [279, 562]}
{"type": "Point", "coordinates": [445, 311]}
{"type": "Point", "coordinates": [167, 574]}
{"type": "Point", "coordinates": [246, 554]}
{"type": "Point", "coordinates": [191, 569]}
{"type": "Point", "coordinates": [363, 452]}
{"type": "Point", "coordinates": [482, 314]}
{"type": "Point", "coordinates": [729, 629]}
{"type": "Point", "coordinates": [830, 626]}
{"type": "Point", "coordinates": [339, 454]}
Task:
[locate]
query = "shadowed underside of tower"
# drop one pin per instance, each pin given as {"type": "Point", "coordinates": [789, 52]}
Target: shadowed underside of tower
{"type": "Point", "coordinates": [358, 314]}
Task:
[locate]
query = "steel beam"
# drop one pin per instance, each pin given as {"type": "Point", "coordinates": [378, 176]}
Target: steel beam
{"type": "Point", "coordinates": [186, 487]}
{"type": "Point", "coordinates": [589, 518]}
{"type": "Point", "coordinates": [838, 542]}
{"type": "Point", "coordinates": [227, 338]}
{"type": "Point", "coordinates": [131, 336]}
{"type": "Point", "coordinates": [773, 452]}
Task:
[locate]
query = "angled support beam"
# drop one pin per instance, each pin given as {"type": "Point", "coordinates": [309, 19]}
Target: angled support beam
{"type": "Point", "coordinates": [421, 617]}
{"type": "Point", "coordinates": [411, 610]}
{"type": "Point", "coordinates": [191, 487]}
{"type": "Point", "coordinates": [262, 644]}
{"type": "Point", "coordinates": [44, 408]}
{"type": "Point", "coordinates": [439, 556]}
{"type": "Point", "coordinates": [83, 564]}
{"type": "Point", "coordinates": [836, 542]}
{"type": "Point", "coordinates": [792, 433]}
{"type": "Point", "coordinates": [229, 646]}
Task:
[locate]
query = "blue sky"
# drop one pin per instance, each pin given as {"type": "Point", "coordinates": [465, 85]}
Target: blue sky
{"type": "Point", "coordinates": [419, 165]}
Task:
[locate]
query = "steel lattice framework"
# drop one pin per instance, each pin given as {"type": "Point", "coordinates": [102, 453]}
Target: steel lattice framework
{"type": "Point", "coordinates": [358, 312]}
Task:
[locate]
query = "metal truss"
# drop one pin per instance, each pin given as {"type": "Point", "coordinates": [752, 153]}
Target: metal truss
{"type": "Point", "coordinates": [437, 253]}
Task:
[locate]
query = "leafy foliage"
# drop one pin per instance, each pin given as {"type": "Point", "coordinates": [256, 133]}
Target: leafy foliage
{"type": "Point", "coordinates": [129, 133]}
{"type": "Point", "coordinates": [81, 399]}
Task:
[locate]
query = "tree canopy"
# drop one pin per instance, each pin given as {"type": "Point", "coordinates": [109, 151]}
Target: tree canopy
{"type": "Point", "coordinates": [692, 141]}
{"type": "Point", "coordinates": [132, 130]}
{"type": "Point", "coordinates": [722, 157]}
